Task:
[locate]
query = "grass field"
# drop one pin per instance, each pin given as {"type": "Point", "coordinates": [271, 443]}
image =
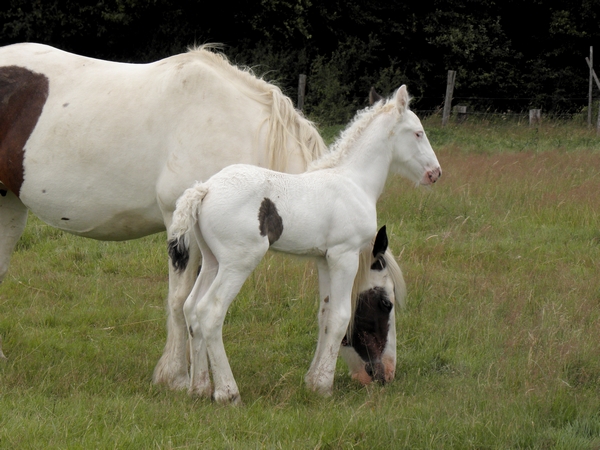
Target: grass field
{"type": "Point", "coordinates": [499, 346]}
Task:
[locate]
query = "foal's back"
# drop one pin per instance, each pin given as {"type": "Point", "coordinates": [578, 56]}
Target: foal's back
{"type": "Point", "coordinates": [300, 214]}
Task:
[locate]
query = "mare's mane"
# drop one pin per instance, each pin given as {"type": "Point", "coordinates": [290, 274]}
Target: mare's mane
{"type": "Point", "coordinates": [285, 121]}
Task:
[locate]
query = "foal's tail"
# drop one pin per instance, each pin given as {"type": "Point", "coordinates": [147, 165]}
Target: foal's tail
{"type": "Point", "coordinates": [185, 217]}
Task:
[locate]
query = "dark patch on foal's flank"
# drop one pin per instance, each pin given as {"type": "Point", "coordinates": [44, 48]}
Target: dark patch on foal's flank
{"type": "Point", "coordinates": [23, 94]}
{"type": "Point", "coordinates": [179, 254]}
{"type": "Point", "coordinates": [269, 221]}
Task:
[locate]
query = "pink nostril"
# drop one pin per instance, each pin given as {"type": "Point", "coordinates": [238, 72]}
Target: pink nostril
{"type": "Point", "coordinates": [434, 175]}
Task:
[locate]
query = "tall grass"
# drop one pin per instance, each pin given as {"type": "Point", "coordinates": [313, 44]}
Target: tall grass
{"type": "Point", "coordinates": [498, 347]}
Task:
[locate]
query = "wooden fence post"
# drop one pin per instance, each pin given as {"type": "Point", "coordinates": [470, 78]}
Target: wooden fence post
{"type": "Point", "coordinates": [535, 116]}
{"type": "Point", "coordinates": [448, 100]}
{"type": "Point", "coordinates": [301, 91]}
{"type": "Point", "coordinates": [593, 72]}
{"type": "Point", "coordinates": [461, 113]}
{"type": "Point", "coordinates": [591, 64]}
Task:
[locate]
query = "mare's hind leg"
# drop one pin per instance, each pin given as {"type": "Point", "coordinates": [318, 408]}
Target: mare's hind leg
{"type": "Point", "coordinates": [172, 368]}
{"type": "Point", "coordinates": [13, 218]}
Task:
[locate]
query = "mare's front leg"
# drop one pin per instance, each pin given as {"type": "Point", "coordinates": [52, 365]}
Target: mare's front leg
{"type": "Point", "coordinates": [13, 218]}
{"type": "Point", "coordinates": [172, 368]}
{"type": "Point", "coordinates": [342, 267]}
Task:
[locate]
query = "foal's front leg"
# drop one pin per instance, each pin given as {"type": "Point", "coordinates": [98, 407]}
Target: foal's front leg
{"type": "Point", "coordinates": [342, 269]}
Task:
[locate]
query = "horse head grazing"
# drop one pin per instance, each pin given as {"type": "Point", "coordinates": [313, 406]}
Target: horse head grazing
{"type": "Point", "coordinates": [369, 347]}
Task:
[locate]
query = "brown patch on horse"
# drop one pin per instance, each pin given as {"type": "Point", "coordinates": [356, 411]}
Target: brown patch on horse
{"type": "Point", "coordinates": [23, 94]}
{"type": "Point", "coordinates": [269, 220]}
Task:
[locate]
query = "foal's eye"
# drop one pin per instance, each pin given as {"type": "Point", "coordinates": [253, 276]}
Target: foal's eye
{"type": "Point", "coordinates": [419, 134]}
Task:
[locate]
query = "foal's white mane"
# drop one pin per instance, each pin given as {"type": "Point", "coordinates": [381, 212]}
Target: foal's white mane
{"type": "Point", "coordinates": [351, 133]}
{"type": "Point", "coordinates": [285, 121]}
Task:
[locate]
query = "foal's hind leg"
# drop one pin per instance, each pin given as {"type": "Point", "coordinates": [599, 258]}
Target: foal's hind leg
{"type": "Point", "coordinates": [212, 308]}
{"type": "Point", "coordinates": [13, 218]}
{"type": "Point", "coordinates": [210, 312]}
{"type": "Point", "coordinates": [199, 370]}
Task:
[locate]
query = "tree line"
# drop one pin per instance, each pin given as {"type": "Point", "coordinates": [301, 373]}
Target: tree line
{"type": "Point", "coordinates": [508, 54]}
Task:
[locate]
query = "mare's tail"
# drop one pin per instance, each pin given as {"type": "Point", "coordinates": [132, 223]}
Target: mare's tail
{"type": "Point", "coordinates": [185, 217]}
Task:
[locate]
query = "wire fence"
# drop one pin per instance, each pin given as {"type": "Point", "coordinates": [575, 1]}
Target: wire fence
{"type": "Point", "coordinates": [501, 108]}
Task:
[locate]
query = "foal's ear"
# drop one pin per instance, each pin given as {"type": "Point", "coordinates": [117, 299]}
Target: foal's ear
{"type": "Point", "coordinates": [374, 97]}
{"type": "Point", "coordinates": [402, 99]}
{"type": "Point", "coordinates": [381, 243]}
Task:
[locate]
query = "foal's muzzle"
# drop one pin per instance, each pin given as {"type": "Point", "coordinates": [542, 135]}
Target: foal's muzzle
{"type": "Point", "coordinates": [431, 176]}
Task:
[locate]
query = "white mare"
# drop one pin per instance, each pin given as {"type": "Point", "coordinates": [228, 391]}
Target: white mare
{"type": "Point", "coordinates": [327, 213]}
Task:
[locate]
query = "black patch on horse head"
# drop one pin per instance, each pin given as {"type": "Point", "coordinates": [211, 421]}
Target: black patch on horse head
{"type": "Point", "coordinates": [179, 254]}
{"type": "Point", "coordinates": [379, 264]}
{"type": "Point", "coordinates": [270, 223]}
{"type": "Point", "coordinates": [3, 192]}
{"type": "Point", "coordinates": [23, 94]}
{"type": "Point", "coordinates": [370, 327]}
{"type": "Point", "coordinates": [379, 247]}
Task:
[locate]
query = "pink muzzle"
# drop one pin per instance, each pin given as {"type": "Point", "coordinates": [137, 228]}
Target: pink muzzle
{"type": "Point", "coordinates": [431, 176]}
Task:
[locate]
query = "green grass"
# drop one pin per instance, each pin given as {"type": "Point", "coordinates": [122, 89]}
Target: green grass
{"type": "Point", "coordinates": [498, 347]}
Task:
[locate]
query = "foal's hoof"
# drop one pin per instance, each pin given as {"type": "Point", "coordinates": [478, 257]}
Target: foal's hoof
{"type": "Point", "coordinates": [225, 399]}
{"type": "Point", "coordinates": [318, 384]}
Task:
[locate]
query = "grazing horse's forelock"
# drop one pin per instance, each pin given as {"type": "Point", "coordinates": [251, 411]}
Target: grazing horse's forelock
{"type": "Point", "coordinates": [23, 94]}
{"type": "Point", "coordinates": [270, 222]}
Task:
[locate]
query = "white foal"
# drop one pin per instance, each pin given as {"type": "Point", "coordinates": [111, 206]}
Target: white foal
{"type": "Point", "coordinates": [328, 213]}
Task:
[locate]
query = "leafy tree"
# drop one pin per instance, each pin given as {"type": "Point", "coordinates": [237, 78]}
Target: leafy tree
{"type": "Point", "coordinates": [509, 54]}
